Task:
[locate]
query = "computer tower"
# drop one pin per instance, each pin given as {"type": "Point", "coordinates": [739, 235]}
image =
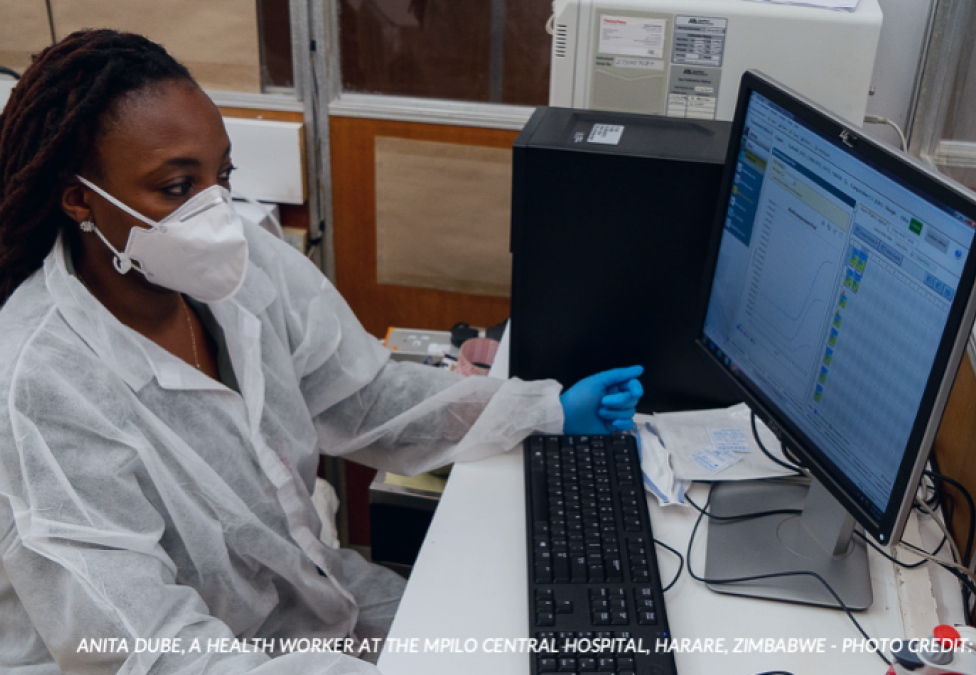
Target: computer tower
{"type": "Point", "coordinates": [611, 219]}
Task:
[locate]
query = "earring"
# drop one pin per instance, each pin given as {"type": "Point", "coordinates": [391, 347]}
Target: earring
{"type": "Point", "coordinates": [87, 225]}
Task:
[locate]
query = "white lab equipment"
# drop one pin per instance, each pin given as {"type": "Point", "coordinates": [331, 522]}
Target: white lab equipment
{"type": "Point", "coordinates": [140, 498]}
{"type": "Point", "coordinates": [684, 58]}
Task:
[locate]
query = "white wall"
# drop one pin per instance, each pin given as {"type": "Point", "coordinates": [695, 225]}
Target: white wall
{"type": "Point", "coordinates": [895, 66]}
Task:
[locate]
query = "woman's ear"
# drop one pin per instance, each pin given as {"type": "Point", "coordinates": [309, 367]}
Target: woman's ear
{"type": "Point", "coordinates": [74, 201]}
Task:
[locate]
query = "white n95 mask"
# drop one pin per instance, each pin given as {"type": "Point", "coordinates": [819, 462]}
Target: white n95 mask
{"type": "Point", "coordinates": [199, 249]}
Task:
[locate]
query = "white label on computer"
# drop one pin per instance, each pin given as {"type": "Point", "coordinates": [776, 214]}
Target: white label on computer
{"type": "Point", "coordinates": [605, 134]}
{"type": "Point", "coordinates": [632, 36]}
{"type": "Point", "coordinates": [699, 40]}
{"type": "Point", "coordinates": [634, 62]}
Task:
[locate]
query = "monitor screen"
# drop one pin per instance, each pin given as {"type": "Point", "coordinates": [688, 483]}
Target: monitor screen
{"type": "Point", "coordinates": [839, 297]}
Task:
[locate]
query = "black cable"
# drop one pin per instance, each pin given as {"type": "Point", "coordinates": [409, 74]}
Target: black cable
{"type": "Point", "coordinates": [681, 565]}
{"type": "Point", "coordinates": [776, 460]}
{"type": "Point", "coordinates": [959, 574]}
{"type": "Point", "coordinates": [938, 477]}
{"type": "Point", "coordinates": [963, 578]}
{"type": "Point", "coordinates": [971, 532]}
{"type": "Point", "coordinates": [7, 71]}
{"type": "Point", "coordinates": [772, 575]}
{"type": "Point", "coordinates": [941, 498]}
{"type": "Point", "coordinates": [745, 516]}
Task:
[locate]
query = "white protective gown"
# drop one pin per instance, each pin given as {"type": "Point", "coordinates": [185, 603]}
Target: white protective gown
{"type": "Point", "coordinates": [141, 499]}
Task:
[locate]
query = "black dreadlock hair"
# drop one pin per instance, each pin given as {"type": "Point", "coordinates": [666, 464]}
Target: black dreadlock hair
{"type": "Point", "coordinates": [48, 130]}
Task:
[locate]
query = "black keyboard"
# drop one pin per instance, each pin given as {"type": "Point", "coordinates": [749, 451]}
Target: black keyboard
{"type": "Point", "coordinates": [595, 595]}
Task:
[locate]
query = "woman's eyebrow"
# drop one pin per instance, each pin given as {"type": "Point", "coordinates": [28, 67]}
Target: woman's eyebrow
{"type": "Point", "coordinates": [181, 161]}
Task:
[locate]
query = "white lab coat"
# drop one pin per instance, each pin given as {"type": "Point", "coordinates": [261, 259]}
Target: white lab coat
{"type": "Point", "coordinates": [141, 499]}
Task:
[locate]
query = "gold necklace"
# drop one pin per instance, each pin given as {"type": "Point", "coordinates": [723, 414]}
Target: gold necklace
{"type": "Point", "coordinates": [193, 334]}
{"type": "Point", "coordinates": [189, 321]}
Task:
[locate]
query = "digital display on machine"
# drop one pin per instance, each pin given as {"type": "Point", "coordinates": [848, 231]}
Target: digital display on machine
{"type": "Point", "coordinates": [831, 292]}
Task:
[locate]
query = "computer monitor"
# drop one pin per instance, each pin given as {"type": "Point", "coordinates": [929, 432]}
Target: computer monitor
{"type": "Point", "coordinates": [838, 301]}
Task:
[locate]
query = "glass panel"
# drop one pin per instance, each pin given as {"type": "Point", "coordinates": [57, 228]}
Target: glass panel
{"type": "Point", "coordinates": [495, 51]}
{"type": "Point", "coordinates": [274, 23]}
{"type": "Point", "coordinates": [234, 45]}
{"type": "Point", "coordinates": [943, 130]}
{"type": "Point", "coordinates": [217, 40]}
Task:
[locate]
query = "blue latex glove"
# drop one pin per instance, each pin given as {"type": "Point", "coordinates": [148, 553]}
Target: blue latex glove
{"type": "Point", "coordinates": [602, 403]}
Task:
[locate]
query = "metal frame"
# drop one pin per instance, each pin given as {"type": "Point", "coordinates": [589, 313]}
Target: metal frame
{"type": "Point", "coordinates": [315, 58]}
{"type": "Point", "coordinates": [316, 62]}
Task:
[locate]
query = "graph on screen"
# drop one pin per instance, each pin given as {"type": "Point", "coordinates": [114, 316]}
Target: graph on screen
{"type": "Point", "coordinates": [792, 288]}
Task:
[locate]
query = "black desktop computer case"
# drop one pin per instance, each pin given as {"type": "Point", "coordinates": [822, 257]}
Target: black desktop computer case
{"type": "Point", "coordinates": [609, 245]}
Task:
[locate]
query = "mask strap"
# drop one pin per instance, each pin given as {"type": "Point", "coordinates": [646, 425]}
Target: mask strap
{"type": "Point", "coordinates": [122, 261]}
{"type": "Point", "coordinates": [130, 211]}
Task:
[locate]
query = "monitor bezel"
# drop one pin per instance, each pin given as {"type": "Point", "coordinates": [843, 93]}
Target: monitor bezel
{"type": "Point", "coordinates": [887, 528]}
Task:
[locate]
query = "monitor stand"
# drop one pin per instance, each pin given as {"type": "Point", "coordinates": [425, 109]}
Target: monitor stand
{"type": "Point", "coordinates": [819, 540]}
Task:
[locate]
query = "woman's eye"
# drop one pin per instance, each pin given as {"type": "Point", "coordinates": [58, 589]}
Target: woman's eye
{"type": "Point", "coordinates": [178, 190]}
{"type": "Point", "coordinates": [224, 176]}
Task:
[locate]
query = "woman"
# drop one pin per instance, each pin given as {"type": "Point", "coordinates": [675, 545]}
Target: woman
{"type": "Point", "coordinates": [169, 377]}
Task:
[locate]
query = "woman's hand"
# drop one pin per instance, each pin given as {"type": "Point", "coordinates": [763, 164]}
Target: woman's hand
{"type": "Point", "coordinates": [602, 403]}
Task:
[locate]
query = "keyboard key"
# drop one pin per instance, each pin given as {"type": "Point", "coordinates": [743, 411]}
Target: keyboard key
{"type": "Point", "coordinates": [605, 664]}
{"type": "Point", "coordinates": [646, 618]}
{"type": "Point", "coordinates": [547, 665]}
{"type": "Point", "coordinates": [562, 638]}
{"type": "Point", "coordinates": [587, 664]}
{"type": "Point", "coordinates": [567, 664]}
{"type": "Point", "coordinates": [601, 618]}
{"type": "Point", "coordinates": [543, 574]}
{"type": "Point", "coordinates": [545, 619]}
{"type": "Point", "coordinates": [564, 607]}
{"type": "Point", "coordinates": [625, 663]}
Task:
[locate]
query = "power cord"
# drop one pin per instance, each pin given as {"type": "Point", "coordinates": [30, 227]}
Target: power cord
{"type": "Point", "coordinates": [755, 434]}
{"type": "Point", "coordinates": [877, 119]}
{"type": "Point", "coordinates": [971, 534]}
{"type": "Point", "coordinates": [681, 565]}
{"type": "Point", "coordinates": [702, 512]}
